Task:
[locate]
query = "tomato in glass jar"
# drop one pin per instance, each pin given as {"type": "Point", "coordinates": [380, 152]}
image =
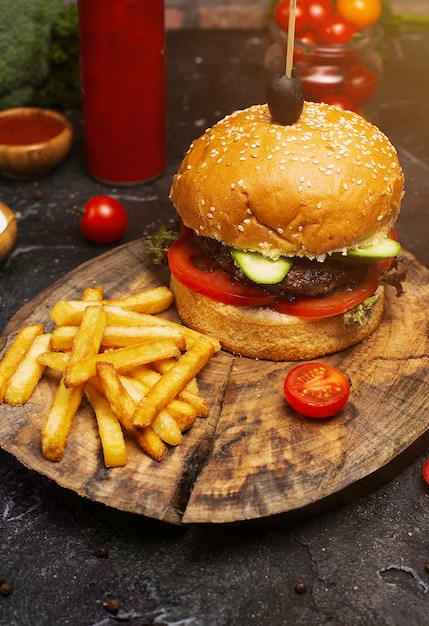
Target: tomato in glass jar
{"type": "Point", "coordinates": [360, 84]}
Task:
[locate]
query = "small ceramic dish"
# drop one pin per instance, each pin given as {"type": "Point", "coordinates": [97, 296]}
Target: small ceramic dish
{"type": "Point", "coordinates": [32, 141]}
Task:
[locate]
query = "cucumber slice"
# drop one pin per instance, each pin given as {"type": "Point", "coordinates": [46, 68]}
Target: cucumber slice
{"type": "Point", "coordinates": [259, 268]}
{"type": "Point", "coordinates": [387, 249]}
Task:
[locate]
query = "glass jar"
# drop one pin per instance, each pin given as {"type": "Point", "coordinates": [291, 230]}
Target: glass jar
{"type": "Point", "coordinates": [347, 75]}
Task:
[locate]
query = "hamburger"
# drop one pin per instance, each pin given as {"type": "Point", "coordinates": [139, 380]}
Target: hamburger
{"type": "Point", "coordinates": [287, 236]}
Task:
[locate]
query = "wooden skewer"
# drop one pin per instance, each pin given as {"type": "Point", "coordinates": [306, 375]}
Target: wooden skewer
{"type": "Point", "coordinates": [290, 38]}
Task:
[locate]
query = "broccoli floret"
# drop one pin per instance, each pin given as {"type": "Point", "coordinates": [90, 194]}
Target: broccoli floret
{"type": "Point", "coordinates": [25, 36]}
{"type": "Point", "coordinates": [62, 87]}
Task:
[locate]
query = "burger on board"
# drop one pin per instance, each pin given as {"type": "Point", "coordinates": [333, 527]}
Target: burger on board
{"type": "Point", "coordinates": [287, 231]}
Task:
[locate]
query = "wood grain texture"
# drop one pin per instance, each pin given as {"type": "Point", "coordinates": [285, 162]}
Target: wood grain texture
{"type": "Point", "coordinates": [253, 457]}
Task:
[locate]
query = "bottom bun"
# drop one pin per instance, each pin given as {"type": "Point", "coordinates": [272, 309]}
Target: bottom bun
{"type": "Point", "coordinates": [262, 333]}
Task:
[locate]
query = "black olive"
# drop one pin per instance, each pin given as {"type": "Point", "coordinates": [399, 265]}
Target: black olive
{"type": "Point", "coordinates": [285, 98]}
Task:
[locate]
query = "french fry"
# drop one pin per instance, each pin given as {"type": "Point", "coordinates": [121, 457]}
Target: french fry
{"type": "Point", "coordinates": [172, 382]}
{"type": "Point", "coordinates": [54, 360]}
{"type": "Point", "coordinates": [93, 294]}
{"type": "Point", "coordinates": [182, 411]}
{"type": "Point", "coordinates": [62, 338]}
{"type": "Point", "coordinates": [163, 365]}
{"type": "Point", "coordinates": [27, 375]}
{"type": "Point", "coordinates": [151, 301]}
{"type": "Point", "coordinates": [16, 352]}
{"type": "Point", "coordinates": [123, 406]}
{"type": "Point", "coordinates": [69, 312]}
{"type": "Point", "coordinates": [88, 337]}
{"type": "Point", "coordinates": [123, 359]}
{"type": "Point", "coordinates": [109, 427]}
{"type": "Point", "coordinates": [119, 316]}
{"type": "Point", "coordinates": [119, 336]}
{"type": "Point", "coordinates": [164, 424]}
{"type": "Point", "coordinates": [59, 420]}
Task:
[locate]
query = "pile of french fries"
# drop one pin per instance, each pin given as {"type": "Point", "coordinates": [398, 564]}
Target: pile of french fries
{"type": "Point", "coordinates": [136, 369]}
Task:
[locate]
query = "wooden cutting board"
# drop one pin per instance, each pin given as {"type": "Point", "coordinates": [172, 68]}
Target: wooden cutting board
{"type": "Point", "coordinates": [253, 457]}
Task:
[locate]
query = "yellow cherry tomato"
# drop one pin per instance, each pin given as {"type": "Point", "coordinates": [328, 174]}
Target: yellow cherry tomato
{"type": "Point", "coordinates": [8, 230]}
{"type": "Point", "coordinates": [360, 13]}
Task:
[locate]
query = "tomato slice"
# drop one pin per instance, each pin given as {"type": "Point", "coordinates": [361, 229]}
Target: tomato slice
{"type": "Point", "coordinates": [426, 471]}
{"type": "Point", "coordinates": [316, 389]}
{"type": "Point", "coordinates": [183, 257]}
{"type": "Point", "coordinates": [190, 267]}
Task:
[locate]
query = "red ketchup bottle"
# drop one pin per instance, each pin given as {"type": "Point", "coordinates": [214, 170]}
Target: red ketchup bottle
{"type": "Point", "coordinates": [123, 88]}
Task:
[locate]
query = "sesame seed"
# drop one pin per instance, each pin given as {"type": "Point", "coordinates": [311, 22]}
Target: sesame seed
{"type": "Point", "coordinates": [202, 202]}
{"type": "Point", "coordinates": [240, 228]}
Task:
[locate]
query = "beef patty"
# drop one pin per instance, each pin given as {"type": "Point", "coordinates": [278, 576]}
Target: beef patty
{"type": "Point", "coordinates": [310, 278]}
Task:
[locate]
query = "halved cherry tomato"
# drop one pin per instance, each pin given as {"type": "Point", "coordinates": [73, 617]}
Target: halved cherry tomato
{"type": "Point", "coordinates": [316, 389]}
{"type": "Point", "coordinates": [184, 258]}
{"type": "Point", "coordinates": [361, 13]}
{"type": "Point", "coordinates": [426, 471]}
{"type": "Point", "coordinates": [334, 30]}
{"type": "Point", "coordinates": [281, 16]}
{"type": "Point", "coordinates": [104, 220]}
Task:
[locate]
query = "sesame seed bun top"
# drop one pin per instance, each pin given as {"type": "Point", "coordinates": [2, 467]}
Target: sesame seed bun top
{"type": "Point", "coordinates": [329, 182]}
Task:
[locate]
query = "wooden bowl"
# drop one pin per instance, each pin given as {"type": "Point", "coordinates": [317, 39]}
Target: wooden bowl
{"type": "Point", "coordinates": [32, 142]}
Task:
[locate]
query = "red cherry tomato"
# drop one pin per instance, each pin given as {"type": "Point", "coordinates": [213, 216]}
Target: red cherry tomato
{"type": "Point", "coordinates": [334, 30]}
{"type": "Point", "coordinates": [318, 11]}
{"type": "Point", "coordinates": [281, 16]}
{"type": "Point", "coordinates": [361, 13]}
{"type": "Point", "coordinates": [320, 81]}
{"type": "Point", "coordinates": [360, 84]}
{"type": "Point", "coordinates": [104, 220]}
{"type": "Point", "coordinates": [339, 101]}
{"type": "Point", "coordinates": [426, 471]}
{"type": "Point", "coordinates": [316, 389]}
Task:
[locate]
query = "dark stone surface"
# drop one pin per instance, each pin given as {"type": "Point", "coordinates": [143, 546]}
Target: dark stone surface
{"type": "Point", "coordinates": [65, 557]}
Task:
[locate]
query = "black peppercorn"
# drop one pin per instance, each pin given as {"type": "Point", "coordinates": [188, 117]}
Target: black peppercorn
{"type": "Point", "coordinates": [300, 586]}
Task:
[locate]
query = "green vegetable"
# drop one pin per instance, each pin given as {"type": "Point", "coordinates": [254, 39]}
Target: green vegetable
{"type": "Point", "coordinates": [386, 249]}
{"type": "Point", "coordinates": [25, 37]}
{"type": "Point", "coordinates": [360, 313]}
{"type": "Point", "coordinates": [261, 269]}
{"type": "Point", "coordinates": [157, 244]}
{"type": "Point", "coordinates": [62, 87]}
